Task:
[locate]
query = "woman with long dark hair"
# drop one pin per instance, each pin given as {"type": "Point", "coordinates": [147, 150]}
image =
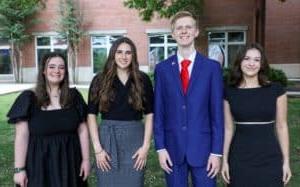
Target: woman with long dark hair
{"type": "Point", "coordinates": [122, 94]}
{"type": "Point", "coordinates": [256, 145]}
{"type": "Point", "coordinates": [51, 142]}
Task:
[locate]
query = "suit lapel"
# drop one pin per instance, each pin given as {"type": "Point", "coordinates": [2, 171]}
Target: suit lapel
{"type": "Point", "coordinates": [196, 71]}
{"type": "Point", "coordinates": [176, 73]}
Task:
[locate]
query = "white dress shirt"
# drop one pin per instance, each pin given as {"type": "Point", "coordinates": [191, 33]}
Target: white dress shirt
{"type": "Point", "coordinates": [191, 58]}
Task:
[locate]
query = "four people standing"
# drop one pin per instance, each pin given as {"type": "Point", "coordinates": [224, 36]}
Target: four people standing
{"type": "Point", "coordinates": [52, 137]}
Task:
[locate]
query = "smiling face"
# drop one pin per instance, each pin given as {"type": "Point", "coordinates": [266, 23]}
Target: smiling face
{"type": "Point", "coordinates": [251, 63]}
{"type": "Point", "coordinates": [184, 31]}
{"type": "Point", "coordinates": [55, 71]}
{"type": "Point", "coordinates": [123, 56]}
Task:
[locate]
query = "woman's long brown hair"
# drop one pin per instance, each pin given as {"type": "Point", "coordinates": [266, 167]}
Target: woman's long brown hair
{"type": "Point", "coordinates": [102, 90]}
{"type": "Point", "coordinates": [236, 75]}
{"type": "Point", "coordinates": [42, 96]}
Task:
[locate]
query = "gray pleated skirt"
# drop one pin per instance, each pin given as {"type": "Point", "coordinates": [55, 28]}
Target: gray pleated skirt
{"type": "Point", "coordinates": [121, 139]}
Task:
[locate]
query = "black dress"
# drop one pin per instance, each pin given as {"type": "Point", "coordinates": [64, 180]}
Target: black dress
{"type": "Point", "coordinates": [255, 158]}
{"type": "Point", "coordinates": [54, 152]}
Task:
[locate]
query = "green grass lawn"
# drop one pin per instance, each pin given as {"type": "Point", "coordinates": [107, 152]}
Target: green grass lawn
{"type": "Point", "coordinates": [154, 175]}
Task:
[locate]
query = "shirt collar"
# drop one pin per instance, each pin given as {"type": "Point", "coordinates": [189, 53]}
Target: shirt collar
{"type": "Point", "coordinates": [191, 57]}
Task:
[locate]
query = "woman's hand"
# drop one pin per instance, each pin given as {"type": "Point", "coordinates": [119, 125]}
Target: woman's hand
{"type": "Point", "coordinates": [85, 169]}
{"type": "Point", "coordinates": [225, 172]}
{"type": "Point", "coordinates": [287, 174]}
{"type": "Point", "coordinates": [103, 160]}
{"type": "Point", "coordinates": [21, 179]}
{"type": "Point", "coordinates": [140, 157]}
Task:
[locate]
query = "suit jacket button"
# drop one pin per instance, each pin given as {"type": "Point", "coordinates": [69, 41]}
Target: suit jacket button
{"type": "Point", "coordinates": [184, 128]}
{"type": "Point", "coordinates": [183, 107]}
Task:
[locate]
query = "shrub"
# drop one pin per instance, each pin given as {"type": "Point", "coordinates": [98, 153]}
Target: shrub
{"type": "Point", "coordinates": [275, 75]}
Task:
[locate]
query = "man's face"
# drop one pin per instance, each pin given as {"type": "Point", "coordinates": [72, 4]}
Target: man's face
{"type": "Point", "coordinates": [185, 31]}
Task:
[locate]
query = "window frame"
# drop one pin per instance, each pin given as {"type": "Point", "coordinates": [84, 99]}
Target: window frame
{"type": "Point", "coordinates": [107, 45]}
{"type": "Point", "coordinates": [165, 44]}
{"type": "Point", "coordinates": [7, 47]}
{"type": "Point", "coordinates": [226, 30]}
{"type": "Point", "coordinates": [52, 47]}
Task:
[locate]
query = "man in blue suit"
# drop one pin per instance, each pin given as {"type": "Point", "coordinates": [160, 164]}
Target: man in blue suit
{"type": "Point", "coordinates": [188, 118]}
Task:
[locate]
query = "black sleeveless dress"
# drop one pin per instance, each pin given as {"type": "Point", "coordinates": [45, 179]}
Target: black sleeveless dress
{"type": "Point", "coordinates": [255, 158]}
{"type": "Point", "coordinates": [54, 153]}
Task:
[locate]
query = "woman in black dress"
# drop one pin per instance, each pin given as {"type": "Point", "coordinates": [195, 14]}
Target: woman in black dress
{"type": "Point", "coordinates": [51, 142]}
{"type": "Point", "coordinates": [256, 146]}
{"type": "Point", "coordinates": [122, 94]}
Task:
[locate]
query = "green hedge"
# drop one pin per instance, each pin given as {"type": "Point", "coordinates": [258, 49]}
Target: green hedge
{"type": "Point", "coordinates": [275, 75]}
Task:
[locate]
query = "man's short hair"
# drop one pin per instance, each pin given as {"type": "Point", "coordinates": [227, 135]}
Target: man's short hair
{"type": "Point", "coordinates": [182, 14]}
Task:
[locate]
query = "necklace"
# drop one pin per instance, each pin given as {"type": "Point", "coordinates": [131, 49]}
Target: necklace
{"type": "Point", "coordinates": [55, 95]}
{"type": "Point", "coordinates": [251, 86]}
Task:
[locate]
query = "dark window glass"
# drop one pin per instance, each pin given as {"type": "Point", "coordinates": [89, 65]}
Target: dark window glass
{"type": "Point", "coordinates": [236, 37]}
{"type": "Point", "coordinates": [5, 63]}
{"type": "Point", "coordinates": [171, 40]}
{"type": "Point", "coordinates": [113, 38]}
{"type": "Point", "coordinates": [57, 41]}
{"type": "Point", "coordinates": [216, 35]}
{"type": "Point", "coordinates": [157, 39]}
{"type": "Point", "coordinates": [99, 57]}
{"type": "Point", "coordinates": [43, 41]}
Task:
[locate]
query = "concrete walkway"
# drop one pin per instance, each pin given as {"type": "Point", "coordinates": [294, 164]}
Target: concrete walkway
{"type": "Point", "coordinates": [6, 88]}
{"type": "Point", "coordinates": [293, 93]}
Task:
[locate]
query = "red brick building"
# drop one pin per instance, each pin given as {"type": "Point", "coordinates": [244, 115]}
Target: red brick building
{"type": "Point", "coordinates": [228, 24]}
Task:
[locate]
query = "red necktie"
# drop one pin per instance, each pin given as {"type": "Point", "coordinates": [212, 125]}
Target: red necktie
{"type": "Point", "coordinates": [184, 74]}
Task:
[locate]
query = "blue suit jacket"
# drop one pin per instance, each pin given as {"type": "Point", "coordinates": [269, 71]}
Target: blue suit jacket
{"type": "Point", "coordinates": [190, 125]}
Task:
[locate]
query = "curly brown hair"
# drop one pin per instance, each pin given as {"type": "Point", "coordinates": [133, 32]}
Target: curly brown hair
{"type": "Point", "coordinates": [42, 96]}
{"type": "Point", "coordinates": [102, 90]}
{"type": "Point", "coordinates": [236, 74]}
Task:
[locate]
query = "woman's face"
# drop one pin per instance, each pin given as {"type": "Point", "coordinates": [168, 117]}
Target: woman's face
{"type": "Point", "coordinates": [55, 71]}
{"type": "Point", "coordinates": [251, 63]}
{"type": "Point", "coordinates": [123, 56]}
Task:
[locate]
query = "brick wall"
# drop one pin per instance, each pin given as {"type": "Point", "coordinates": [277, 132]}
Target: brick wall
{"type": "Point", "coordinates": [282, 38]}
{"type": "Point", "coordinates": [283, 32]}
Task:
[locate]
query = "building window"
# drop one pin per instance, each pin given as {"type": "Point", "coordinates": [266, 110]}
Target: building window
{"type": "Point", "coordinates": [5, 62]}
{"type": "Point", "coordinates": [161, 46]}
{"type": "Point", "coordinates": [225, 43]}
{"type": "Point", "coordinates": [100, 49]}
{"type": "Point", "coordinates": [46, 44]}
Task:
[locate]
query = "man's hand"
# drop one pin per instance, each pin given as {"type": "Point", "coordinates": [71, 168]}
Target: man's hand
{"type": "Point", "coordinates": [213, 165]}
{"type": "Point", "coordinates": [165, 160]}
